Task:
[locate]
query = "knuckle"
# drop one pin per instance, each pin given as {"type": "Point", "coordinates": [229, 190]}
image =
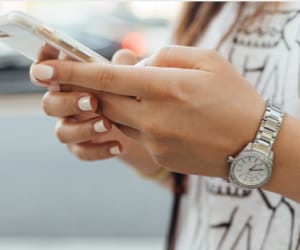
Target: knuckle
{"type": "Point", "coordinates": [208, 59]}
{"type": "Point", "coordinates": [176, 91]}
{"type": "Point", "coordinates": [210, 54]}
{"type": "Point", "coordinates": [164, 53]}
{"type": "Point", "coordinates": [104, 77]}
{"type": "Point", "coordinates": [68, 73]}
{"type": "Point", "coordinates": [166, 50]}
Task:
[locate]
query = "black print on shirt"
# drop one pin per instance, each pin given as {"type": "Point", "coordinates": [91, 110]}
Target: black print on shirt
{"type": "Point", "coordinates": [244, 220]}
{"type": "Point", "coordinates": [262, 53]}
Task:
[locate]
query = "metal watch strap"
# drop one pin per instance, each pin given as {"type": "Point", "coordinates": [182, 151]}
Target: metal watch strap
{"type": "Point", "coordinates": [268, 129]}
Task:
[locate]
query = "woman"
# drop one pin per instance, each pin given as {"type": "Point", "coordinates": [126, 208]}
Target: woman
{"type": "Point", "coordinates": [189, 110]}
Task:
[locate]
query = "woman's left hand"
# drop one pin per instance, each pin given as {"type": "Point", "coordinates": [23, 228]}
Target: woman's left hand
{"type": "Point", "coordinates": [189, 107]}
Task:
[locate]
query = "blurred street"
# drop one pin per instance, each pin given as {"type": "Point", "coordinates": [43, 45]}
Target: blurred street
{"type": "Point", "coordinates": [49, 199]}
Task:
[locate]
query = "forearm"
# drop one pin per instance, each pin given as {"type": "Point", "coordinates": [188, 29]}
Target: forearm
{"type": "Point", "coordinates": [140, 160]}
{"type": "Point", "coordinates": [286, 169]}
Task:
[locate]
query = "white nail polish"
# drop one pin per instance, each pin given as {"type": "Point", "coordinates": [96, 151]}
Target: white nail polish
{"type": "Point", "coordinates": [115, 150]}
{"type": "Point", "coordinates": [84, 103]}
{"type": "Point", "coordinates": [37, 82]}
{"type": "Point", "coordinates": [143, 62]}
{"type": "Point", "coordinates": [61, 55]}
{"type": "Point", "coordinates": [99, 126]}
{"type": "Point", "coordinates": [42, 72]}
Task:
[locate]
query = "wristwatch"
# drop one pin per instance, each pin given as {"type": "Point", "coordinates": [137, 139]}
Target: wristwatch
{"type": "Point", "coordinates": [252, 167]}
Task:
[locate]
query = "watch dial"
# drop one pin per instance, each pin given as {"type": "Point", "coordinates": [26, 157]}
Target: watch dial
{"type": "Point", "coordinates": [251, 171]}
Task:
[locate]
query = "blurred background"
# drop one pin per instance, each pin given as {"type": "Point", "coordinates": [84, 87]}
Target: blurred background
{"type": "Point", "coordinates": [48, 198]}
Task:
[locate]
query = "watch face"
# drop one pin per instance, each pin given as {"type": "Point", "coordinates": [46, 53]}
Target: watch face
{"type": "Point", "coordinates": [250, 171]}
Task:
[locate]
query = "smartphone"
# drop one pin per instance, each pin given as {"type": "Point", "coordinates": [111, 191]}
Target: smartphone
{"type": "Point", "coordinates": [29, 36]}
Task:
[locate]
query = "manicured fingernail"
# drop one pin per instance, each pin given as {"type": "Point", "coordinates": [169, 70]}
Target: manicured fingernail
{"type": "Point", "coordinates": [99, 126]}
{"type": "Point", "coordinates": [85, 104]}
{"type": "Point", "coordinates": [37, 82]}
{"type": "Point", "coordinates": [42, 72]}
{"type": "Point", "coordinates": [142, 63]}
{"type": "Point", "coordinates": [115, 150]}
{"type": "Point", "coordinates": [61, 55]}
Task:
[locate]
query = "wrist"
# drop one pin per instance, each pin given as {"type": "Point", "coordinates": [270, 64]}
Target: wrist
{"type": "Point", "coordinates": [252, 166]}
{"type": "Point", "coordinates": [248, 127]}
{"type": "Point", "coordinates": [285, 160]}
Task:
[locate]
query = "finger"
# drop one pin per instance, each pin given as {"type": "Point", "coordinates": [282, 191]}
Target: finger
{"type": "Point", "coordinates": [130, 132]}
{"type": "Point", "coordinates": [125, 57]}
{"type": "Point", "coordinates": [120, 109]}
{"type": "Point", "coordinates": [63, 56]}
{"type": "Point", "coordinates": [74, 132]}
{"type": "Point", "coordinates": [83, 116]}
{"type": "Point", "coordinates": [47, 52]}
{"type": "Point", "coordinates": [92, 152]}
{"type": "Point", "coordinates": [185, 57]}
{"type": "Point", "coordinates": [116, 79]}
{"type": "Point", "coordinates": [37, 82]}
{"type": "Point", "coordinates": [68, 103]}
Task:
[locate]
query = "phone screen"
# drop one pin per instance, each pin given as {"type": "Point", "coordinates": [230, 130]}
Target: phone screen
{"type": "Point", "coordinates": [30, 38]}
{"type": "Point", "coordinates": [21, 41]}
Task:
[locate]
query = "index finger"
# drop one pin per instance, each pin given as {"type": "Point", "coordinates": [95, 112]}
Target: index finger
{"type": "Point", "coordinates": [47, 52]}
{"type": "Point", "coordinates": [116, 79]}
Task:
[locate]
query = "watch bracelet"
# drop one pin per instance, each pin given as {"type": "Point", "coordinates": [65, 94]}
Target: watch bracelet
{"type": "Point", "coordinates": [268, 128]}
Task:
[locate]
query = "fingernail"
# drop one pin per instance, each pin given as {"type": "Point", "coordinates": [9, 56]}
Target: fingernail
{"type": "Point", "coordinates": [37, 82]}
{"type": "Point", "coordinates": [115, 150]}
{"type": "Point", "coordinates": [42, 72]}
{"type": "Point", "coordinates": [61, 55]}
{"type": "Point", "coordinates": [143, 62]}
{"type": "Point", "coordinates": [84, 103]}
{"type": "Point", "coordinates": [99, 126]}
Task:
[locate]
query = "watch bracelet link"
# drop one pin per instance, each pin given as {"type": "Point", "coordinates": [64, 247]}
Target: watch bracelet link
{"type": "Point", "coordinates": [268, 128]}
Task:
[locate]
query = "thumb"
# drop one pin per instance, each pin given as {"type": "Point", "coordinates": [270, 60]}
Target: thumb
{"type": "Point", "coordinates": [124, 57]}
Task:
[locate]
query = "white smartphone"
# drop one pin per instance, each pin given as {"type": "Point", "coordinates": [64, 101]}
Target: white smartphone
{"type": "Point", "coordinates": [29, 36]}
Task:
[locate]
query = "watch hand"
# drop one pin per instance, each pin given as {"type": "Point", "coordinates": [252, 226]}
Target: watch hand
{"type": "Point", "coordinates": [251, 169]}
{"type": "Point", "coordinates": [260, 169]}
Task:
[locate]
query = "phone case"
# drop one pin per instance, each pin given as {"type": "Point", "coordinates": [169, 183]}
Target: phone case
{"type": "Point", "coordinates": [27, 35]}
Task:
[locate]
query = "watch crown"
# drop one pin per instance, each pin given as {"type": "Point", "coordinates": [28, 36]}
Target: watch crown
{"type": "Point", "coordinates": [230, 159]}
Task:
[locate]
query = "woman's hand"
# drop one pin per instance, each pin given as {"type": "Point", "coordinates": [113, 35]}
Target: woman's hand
{"type": "Point", "coordinates": [190, 108]}
{"type": "Point", "coordinates": [91, 136]}
{"type": "Point", "coordinates": [88, 135]}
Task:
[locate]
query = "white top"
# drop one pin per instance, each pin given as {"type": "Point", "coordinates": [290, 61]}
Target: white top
{"type": "Point", "coordinates": [216, 215]}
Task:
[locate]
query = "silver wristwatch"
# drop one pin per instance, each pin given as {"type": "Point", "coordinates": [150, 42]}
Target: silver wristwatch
{"type": "Point", "coordinates": [252, 167]}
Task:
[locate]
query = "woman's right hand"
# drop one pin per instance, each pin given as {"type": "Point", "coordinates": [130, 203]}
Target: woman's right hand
{"type": "Point", "coordinates": [91, 136]}
{"type": "Point", "coordinates": [88, 135]}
